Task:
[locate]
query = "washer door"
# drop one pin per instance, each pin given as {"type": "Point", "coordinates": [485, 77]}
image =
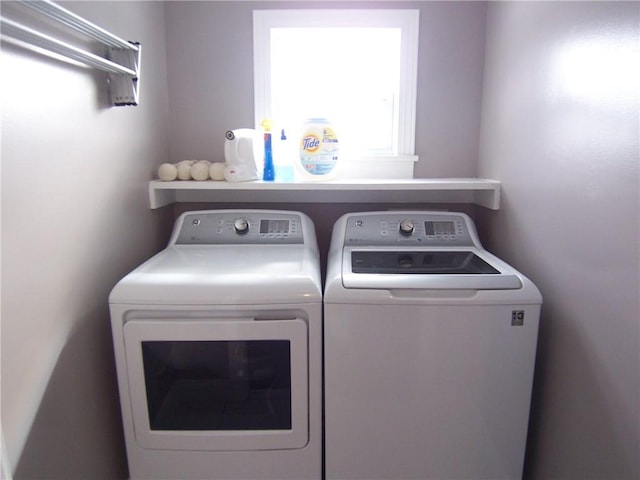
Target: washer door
{"type": "Point", "coordinates": [426, 269]}
{"type": "Point", "coordinates": [223, 384]}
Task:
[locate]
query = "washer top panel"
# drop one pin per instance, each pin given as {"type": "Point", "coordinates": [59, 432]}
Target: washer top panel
{"type": "Point", "coordinates": [417, 229]}
{"type": "Point", "coordinates": [239, 228]}
{"type": "Point", "coordinates": [415, 250]}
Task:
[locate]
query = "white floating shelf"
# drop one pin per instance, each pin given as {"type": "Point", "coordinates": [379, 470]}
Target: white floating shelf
{"type": "Point", "coordinates": [479, 191]}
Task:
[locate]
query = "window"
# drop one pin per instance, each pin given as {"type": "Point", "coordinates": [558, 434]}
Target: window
{"type": "Point", "coordinates": [357, 68]}
{"type": "Point", "coordinates": [218, 385]}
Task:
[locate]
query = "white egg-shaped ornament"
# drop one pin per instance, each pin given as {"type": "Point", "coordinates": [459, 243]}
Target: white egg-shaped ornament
{"type": "Point", "coordinates": [200, 170]}
{"type": "Point", "coordinates": [216, 171]}
{"type": "Point", "coordinates": [184, 170]}
{"type": "Point", "coordinates": [167, 172]}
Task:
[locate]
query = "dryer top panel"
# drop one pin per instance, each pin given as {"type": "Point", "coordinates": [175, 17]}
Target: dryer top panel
{"type": "Point", "coordinates": [239, 227]}
{"type": "Point", "coordinates": [230, 257]}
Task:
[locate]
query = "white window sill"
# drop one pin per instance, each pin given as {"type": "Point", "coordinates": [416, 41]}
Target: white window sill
{"type": "Point", "coordinates": [483, 192]}
{"type": "Point", "coordinates": [379, 167]}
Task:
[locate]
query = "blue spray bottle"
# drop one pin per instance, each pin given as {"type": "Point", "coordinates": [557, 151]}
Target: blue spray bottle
{"type": "Point", "coordinates": [269, 173]}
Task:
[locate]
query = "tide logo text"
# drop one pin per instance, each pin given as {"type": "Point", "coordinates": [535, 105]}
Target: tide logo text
{"type": "Point", "coordinates": [310, 143]}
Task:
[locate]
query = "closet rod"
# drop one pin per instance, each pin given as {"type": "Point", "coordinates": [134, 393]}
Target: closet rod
{"type": "Point", "coordinates": [20, 32]}
{"type": "Point", "coordinates": [70, 19]}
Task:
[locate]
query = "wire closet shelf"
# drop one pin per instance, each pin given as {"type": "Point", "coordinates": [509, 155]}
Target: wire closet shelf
{"type": "Point", "coordinates": [121, 61]}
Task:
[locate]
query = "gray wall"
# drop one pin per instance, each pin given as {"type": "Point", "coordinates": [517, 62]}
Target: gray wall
{"type": "Point", "coordinates": [209, 51]}
{"type": "Point", "coordinates": [210, 63]}
{"type": "Point", "coordinates": [75, 219]}
{"type": "Point", "coordinates": [560, 131]}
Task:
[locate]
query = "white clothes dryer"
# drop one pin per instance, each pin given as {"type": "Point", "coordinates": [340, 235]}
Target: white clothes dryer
{"type": "Point", "coordinates": [218, 350]}
{"type": "Point", "coordinates": [430, 346]}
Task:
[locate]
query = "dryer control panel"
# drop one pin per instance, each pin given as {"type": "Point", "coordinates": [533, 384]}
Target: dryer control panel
{"type": "Point", "coordinates": [238, 227]}
{"type": "Point", "coordinates": [431, 229]}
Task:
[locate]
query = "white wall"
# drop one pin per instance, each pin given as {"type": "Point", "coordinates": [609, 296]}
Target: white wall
{"type": "Point", "coordinates": [560, 130]}
{"type": "Point", "coordinates": [75, 218]}
{"type": "Point", "coordinates": [210, 59]}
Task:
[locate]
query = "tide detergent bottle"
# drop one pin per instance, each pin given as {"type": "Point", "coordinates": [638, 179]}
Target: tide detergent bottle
{"type": "Point", "coordinates": [319, 150]}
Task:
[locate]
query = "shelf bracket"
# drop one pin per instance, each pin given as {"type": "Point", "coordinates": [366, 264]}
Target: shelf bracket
{"type": "Point", "coordinates": [488, 198]}
{"type": "Point", "coordinates": [160, 197]}
{"type": "Point", "coordinates": [123, 88]}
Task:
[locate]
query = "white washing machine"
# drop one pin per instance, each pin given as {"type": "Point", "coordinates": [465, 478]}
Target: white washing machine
{"type": "Point", "coordinates": [218, 344]}
{"type": "Point", "coordinates": [430, 346]}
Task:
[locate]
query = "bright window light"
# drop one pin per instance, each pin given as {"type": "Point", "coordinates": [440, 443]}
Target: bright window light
{"type": "Point", "coordinates": [356, 68]}
{"type": "Point", "coordinates": [347, 85]}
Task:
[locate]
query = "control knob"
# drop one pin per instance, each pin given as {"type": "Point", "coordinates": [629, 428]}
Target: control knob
{"type": "Point", "coordinates": [241, 226]}
{"type": "Point", "coordinates": [406, 228]}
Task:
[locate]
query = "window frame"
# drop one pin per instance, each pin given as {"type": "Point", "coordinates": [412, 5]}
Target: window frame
{"type": "Point", "coordinates": [405, 19]}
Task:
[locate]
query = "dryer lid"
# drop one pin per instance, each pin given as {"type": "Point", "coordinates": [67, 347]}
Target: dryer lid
{"type": "Point", "coordinates": [224, 275]}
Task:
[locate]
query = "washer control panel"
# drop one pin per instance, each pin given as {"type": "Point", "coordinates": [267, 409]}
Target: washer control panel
{"type": "Point", "coordinates": [438, 229]}
{"type": "Point", "coordinates": [239, 227]}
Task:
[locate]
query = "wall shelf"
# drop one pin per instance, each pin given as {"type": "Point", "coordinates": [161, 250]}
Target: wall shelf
{"type": "Point", "coordinates": [483, 192]}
